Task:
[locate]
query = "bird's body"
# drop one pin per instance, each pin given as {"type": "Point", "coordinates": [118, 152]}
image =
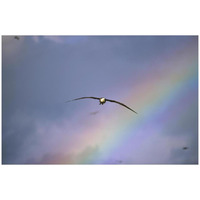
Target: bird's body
{"type": "Point", "coordinates": [102, 100]}
{"type": "Point", "coordinates": [185, 148]}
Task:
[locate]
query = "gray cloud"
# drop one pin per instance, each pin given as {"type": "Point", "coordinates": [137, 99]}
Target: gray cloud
{"type": "Point", "coordinates": [62, 158]}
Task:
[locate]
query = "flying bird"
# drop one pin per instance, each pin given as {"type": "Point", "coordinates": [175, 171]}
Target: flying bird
{"type": "Point", "coordinates": [102, 100]}
{"type": "Point", "coordinates": [16, 37]}
{"type": "Point", "coordinates": [185, 148]}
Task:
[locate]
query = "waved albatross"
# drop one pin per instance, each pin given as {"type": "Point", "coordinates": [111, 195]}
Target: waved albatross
{"type": "Point", "coordinates": [102, 100]}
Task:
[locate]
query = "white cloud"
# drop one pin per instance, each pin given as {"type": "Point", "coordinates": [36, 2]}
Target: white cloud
{"type": "Point", "coordinates": [61, 39]}
{"type": "Point", "coordinates": [55, 39]}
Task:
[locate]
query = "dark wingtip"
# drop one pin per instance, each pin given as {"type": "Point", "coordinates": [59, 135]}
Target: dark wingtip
{"type": "Point", "coordinates": [133, 111]}
{"type": "Point", "coordinates": [68, 101]}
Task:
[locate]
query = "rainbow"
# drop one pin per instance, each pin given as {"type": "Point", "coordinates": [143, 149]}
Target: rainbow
{"type": "Point", "coordinates": [151, 97]}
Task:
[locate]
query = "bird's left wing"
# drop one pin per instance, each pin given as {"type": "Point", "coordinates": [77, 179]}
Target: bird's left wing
{"type": "Point", "coordinates": [82, 98]}
{"type": "Point", "coordinates": [120, 104]}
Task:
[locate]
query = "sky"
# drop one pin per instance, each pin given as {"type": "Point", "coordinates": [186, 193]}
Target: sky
{"type": "Point", "coordinates": [157, 76]}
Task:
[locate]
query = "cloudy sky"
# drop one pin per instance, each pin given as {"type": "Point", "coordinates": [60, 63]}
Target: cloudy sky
{"type": "Point", "coordinates": [157, 76]}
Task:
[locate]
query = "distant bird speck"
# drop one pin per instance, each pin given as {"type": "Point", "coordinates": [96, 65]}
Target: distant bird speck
{"type": "Point", "coordinates": [185, 148]}
{"type": "Point", "coordinates": [17, 37]}
{"type": "Point", "coordinates": [102, 100]}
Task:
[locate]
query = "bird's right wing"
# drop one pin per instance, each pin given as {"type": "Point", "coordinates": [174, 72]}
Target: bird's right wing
{"type": "Point", "coordinates": [83, 98]}
{"type": "Point", "coordinates": [120, 104]}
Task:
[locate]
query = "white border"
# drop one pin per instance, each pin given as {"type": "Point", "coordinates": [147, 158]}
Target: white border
{"type": "Point", "coordinates": [99, 18]}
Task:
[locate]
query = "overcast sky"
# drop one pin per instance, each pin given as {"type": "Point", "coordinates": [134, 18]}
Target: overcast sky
{"type": "Point", "coordinates": [157, 76]}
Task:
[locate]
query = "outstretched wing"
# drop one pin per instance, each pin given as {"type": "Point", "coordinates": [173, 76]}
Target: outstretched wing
{"type": "Point", "coordinates": [83, 98]}
{"type": "Point", "coordinates": [120, 104]}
